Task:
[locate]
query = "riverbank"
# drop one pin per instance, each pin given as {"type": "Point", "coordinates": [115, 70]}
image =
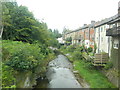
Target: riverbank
{"type": "Point", "coordinates": [23, 63]}
{"type": "Point", "coordinates": [59, 75]}
{"type": "Point", "coordinates": [88, 72]}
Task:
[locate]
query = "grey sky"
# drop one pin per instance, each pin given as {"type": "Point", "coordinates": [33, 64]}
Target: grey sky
{"type": "Point", "coordinates": [70, 13]}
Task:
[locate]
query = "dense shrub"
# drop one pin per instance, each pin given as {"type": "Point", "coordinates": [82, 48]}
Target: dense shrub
{"type": "Point", "coordinates": [19, 57]}
{"type": "Point", "coordinates": [90, 49]}
{"type": "Point", "coordinates": [23, 56]}
{"type": "Point", "coordinates": [71, 48]}
{"type": "Point", "coordinates": [63, 47]}
{"type": "Point", "coordinates": [89, 66]}
{"type": "Point", "coordinates": [8, 79]}
{"type": "Point", "coordinates": [77, 55]}
{"type": "Point", "coordinates": [108, 65]}
{"type": "Point", "coordinates": [80, 48]}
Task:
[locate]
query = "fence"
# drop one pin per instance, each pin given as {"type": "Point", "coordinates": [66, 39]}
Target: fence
{"type": "Point", "coordinates": [100, 59]}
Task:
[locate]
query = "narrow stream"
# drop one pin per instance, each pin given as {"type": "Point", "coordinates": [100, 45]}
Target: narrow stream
{"type": "Point", "coordinates": [59, 75]}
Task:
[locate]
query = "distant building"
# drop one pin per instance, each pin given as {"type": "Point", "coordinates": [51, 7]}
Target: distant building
{"type": "Point", "coordinates": [102, 41]}
{"type": "Point", "coordinates": [114, 33]}
{"type": "Point", "coordinates": [93, 34]}
{"type": "Point", "coordinates": [61, 41]}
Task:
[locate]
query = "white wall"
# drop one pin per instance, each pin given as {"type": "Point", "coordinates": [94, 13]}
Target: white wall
{"type": "Point", "coordinates": [87, 43]}
{"type": "Point", "coordinates": [102, 41]}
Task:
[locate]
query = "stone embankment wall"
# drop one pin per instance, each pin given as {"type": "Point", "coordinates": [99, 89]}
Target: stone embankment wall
{"type": "Point", "coordinates": [113, 76]}
{"type": "Point", "coordinates": [28, 79]}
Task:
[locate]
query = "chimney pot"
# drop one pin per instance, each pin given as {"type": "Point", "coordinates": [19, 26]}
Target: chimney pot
{"type": "Point", "coordinates": [92, 22]}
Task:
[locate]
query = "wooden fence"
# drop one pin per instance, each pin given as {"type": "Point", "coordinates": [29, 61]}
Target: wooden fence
{"type": "Point", "coordinates": [100, 59]}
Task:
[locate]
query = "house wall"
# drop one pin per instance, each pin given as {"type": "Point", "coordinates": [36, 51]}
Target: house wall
{"type": "Point", "coordinates": [102, 41]}
{"type": "Point", "coordinates": [92, 36]}
{"type": "Point", "coordinates": [115, 57]}
{"type": "Point", "coordinates": [86, 38]}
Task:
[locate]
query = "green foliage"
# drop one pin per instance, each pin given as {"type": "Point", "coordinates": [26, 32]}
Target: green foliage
{"type": "Point", "coordinates": [90, 49]}
{"type": "Point", "coordinates": [80, 48]}
{"type": "Point", "coordinates": [89, 66]}
{"type": "Point", "coordinates": [19, 57]}
{"type": "Point", "coordinates": [63, 47]}
{"type": "Point", "coordinates": [22, 56]}
{"type": "Point", "coordinates": [56, 33]}
{"type": "Point", "coordinates": [92, 76]}
{"type": "Point", "coordinates": [108, 65]}
{"type": "Point", "coordinates": [71, 48]}
{"type": "Point", "coordinates": [20, 25]}
{"type": "Point", "coordinates": [8, 79]}
{"type": "Point", "coordinates": [86, 69]}
{"type": "Point", "coordinates": [68, 40]}
{"type": "Point", "coordinates": [77, 55]}
{"type": "Point", "coordinates": [65, 30]}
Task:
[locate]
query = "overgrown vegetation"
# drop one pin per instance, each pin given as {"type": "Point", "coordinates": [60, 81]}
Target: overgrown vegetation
{"type": "Point", "coordinates": [92, 76]}
{"type": "Point", "coordinates": [85, 68]}
{"type": "Point", "coordinates": [21, 57]}
{"type": "Point", "coordinates": [68, 41]}
{"type": "Point", "coordinates": [26, 42]}
{"type": "Point", "coordinates": [21, 25]}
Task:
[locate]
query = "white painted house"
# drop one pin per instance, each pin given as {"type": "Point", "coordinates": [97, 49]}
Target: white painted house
{"type": "Point", "coordinates": [102, 41]}
{"type": "Point", "coordinates": [60, 40]}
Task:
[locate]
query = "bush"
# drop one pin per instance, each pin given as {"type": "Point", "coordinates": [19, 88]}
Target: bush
{"type": "Point", "coordinates": [22, 61]}
{"type": "Point", "coordinates": [8, 79]}
{"type": "Point", "coordinates": [71, 48]}
{"type": "Point", "coordinates": [89, 66]}
{"type": "Point", "coordinates": [23, 56]}
{"type": "Point", "coordinates": [90, 49]}
{"type": "Point", "coordinates": [77, 55]}
{"type": "Point", "coordinates": [108, 65]}
{"type": "Point", "coordinates": [80, 48]}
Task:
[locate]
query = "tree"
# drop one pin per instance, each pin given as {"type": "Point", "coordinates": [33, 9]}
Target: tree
{"type": "Point", "coordinates": [65, 30]}
{"type": "Point", "coordinates": [69, 40]}
{"type": "Point", "coordinates": [57, 34]}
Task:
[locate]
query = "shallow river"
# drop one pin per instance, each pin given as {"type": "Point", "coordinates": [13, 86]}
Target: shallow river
{"type": "Point", "coordinates": [59, 75]}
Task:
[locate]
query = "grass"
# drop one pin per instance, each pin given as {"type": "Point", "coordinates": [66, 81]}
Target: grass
{"type": "Point", "coordinates": [93, 77]}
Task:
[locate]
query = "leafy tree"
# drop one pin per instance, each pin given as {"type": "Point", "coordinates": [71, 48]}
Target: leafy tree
{"type": "Point", "coordinates": [68, 40]}
{"type": "Point", "coordinates": [21, 25]}
{"type": "Point", "coordinates": [65, 30]}
{"type": "Point", "coordinates": [57, 34]}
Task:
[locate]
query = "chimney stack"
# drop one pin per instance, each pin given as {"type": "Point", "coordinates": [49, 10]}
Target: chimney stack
{"type": "Point", "coordinates": [119, 8]}
{"type": "Point", "coordinates": [85, 24]}
{"type": "Point", "coordinates": [92, 22]}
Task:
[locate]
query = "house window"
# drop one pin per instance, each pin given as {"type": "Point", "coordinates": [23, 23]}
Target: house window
{"type": "Point", "coordinates": [101, 29]}
{"type": "Point", "coordinates": [116, 46]}
{"type": "Point", "coordinates": [104, 27]}
{"type": "Point", "coordinates": [98, 29]}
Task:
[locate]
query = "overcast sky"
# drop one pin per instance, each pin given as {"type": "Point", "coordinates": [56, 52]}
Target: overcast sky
{"type": "Point", "coordinates": [70, 13]}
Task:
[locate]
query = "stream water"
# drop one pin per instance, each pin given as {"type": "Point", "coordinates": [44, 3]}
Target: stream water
{"type": "Point", "coordinates": [59, 75]}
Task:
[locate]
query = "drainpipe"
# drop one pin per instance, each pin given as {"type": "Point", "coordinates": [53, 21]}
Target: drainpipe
{"type": "Point", "coordinates": [99, 40]}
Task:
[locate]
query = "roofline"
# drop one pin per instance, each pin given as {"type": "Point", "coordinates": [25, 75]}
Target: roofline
{"type": "Point", "coordinates": [100, 23]}
{"type": "Point", "coordinates": [106, 21]}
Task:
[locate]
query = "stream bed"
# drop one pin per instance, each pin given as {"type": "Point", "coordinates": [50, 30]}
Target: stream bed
{"type": "Point", "coordinates": [59, 75]}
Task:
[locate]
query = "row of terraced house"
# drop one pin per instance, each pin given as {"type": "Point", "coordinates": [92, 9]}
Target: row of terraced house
{"type": "Point", "coordinates": [104, 34]}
